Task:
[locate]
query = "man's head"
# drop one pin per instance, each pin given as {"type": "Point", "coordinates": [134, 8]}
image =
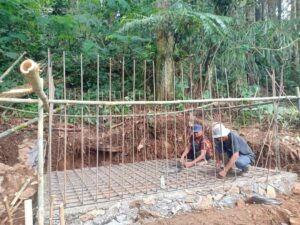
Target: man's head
{"type": "Point", "coordinates": [219, 131]}
{"type": "Point", "coordinates": [197, 130]}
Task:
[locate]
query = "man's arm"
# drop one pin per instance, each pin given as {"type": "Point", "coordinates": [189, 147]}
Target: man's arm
{"type": "Point", "coordinates": [184, 154]}
{"type": "Point", "coordinates": [199, 158]}
{"type": "Point", "coordinates": [230, 164]}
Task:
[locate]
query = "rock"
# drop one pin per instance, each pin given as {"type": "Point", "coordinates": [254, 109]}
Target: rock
{"type": "Point", "coordinates": [168, 201]}
{"type": "Point", "coordinates": [136, 204]}
{"type": "Point", "coordinates": [98, 221]}
{"type": "Point", "coordinates": [112, 211]}
{"type": "Point", "coordinates": [247, 189]}
{"type": "Point", "coordinates": [175, 195]}
{"type": "Point", "coordinates": [189, 199]}
{"type": "Point", "coordinates": [175, 209]}
{"type": "Point", "coordinates": [91, 215]}
{"type": "Point", "coordinates": [190, 192]}
{"type": "Point", "coordinates": [146, 213]}
{"type": "Point", "coordinates": [114, 222]}
{"type": "Point", "coordinates": [132, 214]}
{"type": "Point", "coordinates": [261, 191]}
{"type": "Point", "coordinates": [271, 193]}
{"type": "Point", "coordinates": [296, 188]}
{"type": "Point", "coordinates": [217, 197]}
{"type": "Point", "coordinates": [121, 218]}
{"type": "Point", "coordinates": [234, 190]}
{"type": "Point", "coordinates": [240, 203]}
{"type": "Point", "coordinates": [205, 203]}
{"type": "Point", "coordinates": [149, 200]}
{"type": "Point", "coordinates": [86, 217]}
{"type": "Point", "coordinates": [261, 179]}
{"type": "Point", "coordinates": [294, 220]}
{"type": "Point", "coordinates": [230, 200]}
{"type": "Point", "coordinates": [162, 205]}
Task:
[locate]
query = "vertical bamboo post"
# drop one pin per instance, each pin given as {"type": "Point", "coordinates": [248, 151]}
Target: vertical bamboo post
{"type": "Point", "coordinates": [97, 127]}
{"type": "Point", "coordinates": [123, 125]}
{"type": "Point", "coordinates": [110, 130]}
{"type": "Point", "coordinates": [28, 212]}
{"type": "Point", "coordinates": [31, 71]}
{"type": "Point", "coordinates": [82, 127]}
{"type": "Point", "coordinates": [51, 210]}
{"type": "Point", "coordinates": [62, 214]}
{"type": "Point", "coordinates": [298, 95]}
{"type": "Point", "coordinates": [65, 133]}
{"type": "Point", "coordinates": [8, 210]}
{"type": "Point", "coordinates": [275, 125]}
{"type": "Point", "coordinates": [41, 160]}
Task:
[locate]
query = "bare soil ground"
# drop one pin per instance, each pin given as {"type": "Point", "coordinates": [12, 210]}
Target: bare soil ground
{"type": "Point", "coordinates": [13, 169]}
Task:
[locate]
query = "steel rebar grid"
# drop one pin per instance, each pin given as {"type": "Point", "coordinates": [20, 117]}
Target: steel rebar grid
{"type": "Point", "coordinates": [205, 180]}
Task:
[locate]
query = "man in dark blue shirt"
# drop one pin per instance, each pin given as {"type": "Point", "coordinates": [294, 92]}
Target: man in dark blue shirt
{"type": "Point", "coordinates": [200, 147]}
{"type": "Point", "coordinates": [236, 148]}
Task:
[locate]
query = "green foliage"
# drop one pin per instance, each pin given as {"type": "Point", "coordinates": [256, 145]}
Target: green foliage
{"type": "Point", "coordinates": [211, 33]}
{"type": "Point", "coordinates": [287, 116]}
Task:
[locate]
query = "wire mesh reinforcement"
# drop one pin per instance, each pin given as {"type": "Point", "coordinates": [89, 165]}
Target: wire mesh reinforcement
{"type": "Point", "coordinates": [139, 178]}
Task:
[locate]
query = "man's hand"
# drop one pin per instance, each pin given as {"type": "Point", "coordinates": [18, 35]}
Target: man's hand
{"type": "Point", "coordinates": [189, 164]}
{"type": "Point", "coordinates": [222, 173]}
{"type": "Point", "coordinates": [182, 160]}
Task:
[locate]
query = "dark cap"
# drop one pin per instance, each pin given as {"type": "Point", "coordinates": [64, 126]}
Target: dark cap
{"type": "Point", "coordinates": [197, 128]}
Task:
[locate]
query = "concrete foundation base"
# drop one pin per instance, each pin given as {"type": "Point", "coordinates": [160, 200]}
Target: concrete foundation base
{"type": "Point", "coordinates": [158, 188]}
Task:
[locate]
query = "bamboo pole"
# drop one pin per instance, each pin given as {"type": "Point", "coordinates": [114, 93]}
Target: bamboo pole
{"type": "Point", "coordinates": [31, 71]}
{"type": "Point", "coordinates": [11, 67]}
{"type": "Point", "coordinates": [8, 210]}
{"type": "Point", "coordinates": [62, 214]}
{"type": "Point", "coordinates": [187, 101]}
{"type": "Point", "coordinates": [298, 95]}
{"type": "Point", "coordinates": [17, 92]}
{"type": "Point", "coordinates": [40, 160]}
{"type": "Point", "coordinates": [24, 125]}
{"type": "Point", "coordinates": [51, 210]}
{"type": "Point", "coordinates": [18, 194]}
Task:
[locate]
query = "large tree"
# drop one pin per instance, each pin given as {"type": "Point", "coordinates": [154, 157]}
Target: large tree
{"type": "Point", "coordinates": [171, 23]}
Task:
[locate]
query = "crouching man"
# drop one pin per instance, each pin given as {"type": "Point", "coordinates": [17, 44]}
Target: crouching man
{"type": "Point", "coordinates": [238, 151]}
{"type": "Point", "coordinates": [200, 148]}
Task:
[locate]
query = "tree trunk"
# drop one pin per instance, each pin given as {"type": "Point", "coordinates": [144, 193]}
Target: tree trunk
{"type": "Point", "coordinates": [279, 7]}
{"type": "Point", "coordinates": [165, 66]}
{"type": "Point", "coordinates": [296, 8]}
{"type": "Point", "coordinates": [164, 59]}
{"type": "Point", "coordinates": [250, 13]}
{"type": "Point", "coordinates": [271, 9]}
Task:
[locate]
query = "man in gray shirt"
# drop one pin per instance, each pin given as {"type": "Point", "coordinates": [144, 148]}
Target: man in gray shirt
{"type": "Point", "coordinates": [236, 148]}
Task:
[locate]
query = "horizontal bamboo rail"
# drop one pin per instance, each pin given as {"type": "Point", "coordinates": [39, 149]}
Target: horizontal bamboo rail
{"type": "Point", "coordinates": [113, 103]}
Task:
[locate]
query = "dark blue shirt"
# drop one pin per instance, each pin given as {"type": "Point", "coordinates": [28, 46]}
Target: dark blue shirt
{"type": "Point", "coordinates": [235, 143]}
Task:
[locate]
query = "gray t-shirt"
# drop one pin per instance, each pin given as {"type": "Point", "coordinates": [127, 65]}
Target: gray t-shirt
{"type": "Point", "coordinates": [235, 143]}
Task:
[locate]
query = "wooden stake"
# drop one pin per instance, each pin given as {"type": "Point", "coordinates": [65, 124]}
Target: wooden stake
{"type": "Point", "coordinates": [61, 214]}
{"type": "Point", "coordinates": [9, 213]}
{"type": "Point", "coordinates": [298, 95]}
{"type": "Point", "coordinates": [18, 194]}
{"type": "Point", "coordinates": [51, 210]}
{"type": "Point", "coordinates": [28, 212]}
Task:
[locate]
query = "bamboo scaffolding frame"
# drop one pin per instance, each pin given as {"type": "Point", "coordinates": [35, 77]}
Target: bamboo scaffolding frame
{"type": "Point", "coordinates": [142, 175]}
